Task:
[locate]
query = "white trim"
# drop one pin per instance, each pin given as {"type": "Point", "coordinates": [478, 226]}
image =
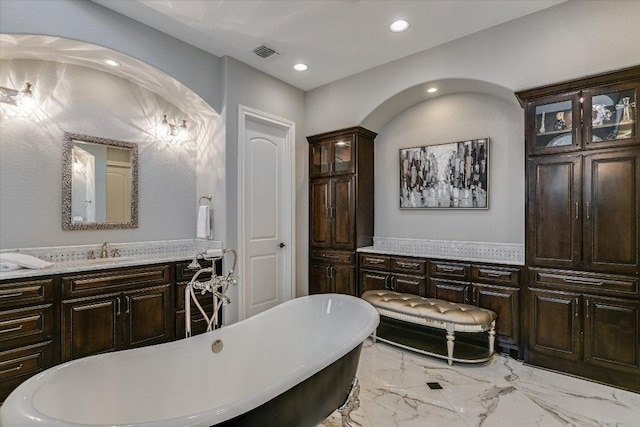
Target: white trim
{"type": "Point", "coordinates": [289, 127]}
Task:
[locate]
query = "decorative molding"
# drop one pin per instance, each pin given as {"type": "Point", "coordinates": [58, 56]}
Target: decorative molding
{"type": "Point", "coordinates": [504, 253]}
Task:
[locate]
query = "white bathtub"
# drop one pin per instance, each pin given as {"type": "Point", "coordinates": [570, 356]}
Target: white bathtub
{"type": "Point", "coordinates": [183, 383]}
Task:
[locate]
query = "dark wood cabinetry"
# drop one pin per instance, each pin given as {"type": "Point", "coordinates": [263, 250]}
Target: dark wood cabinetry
{"type": "Point", "coordinates": [198, 322]}
{"type": "Point", "coordinates": [340, 207]}
{"type": "Point", "coordinates": [399, 274]}
{"type": "Point", "coordinates": [49, 320]}
{"type": "Point", "coordinates": [27, 331]}
{"type": "Point", "coordinates": [115, 310]}
{"type": "Point", "coordinates": [491, 286]}
{"type": "Point", "coordinates": [582, 236]}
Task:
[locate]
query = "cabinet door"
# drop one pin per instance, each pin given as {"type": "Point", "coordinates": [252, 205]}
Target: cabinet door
{"type": "Point", "coordinates": [373, 280]}
{"type": "Point", "coordinates": [147, 316]}
{"type": "Point", "coordinates": [344, 279]}
{"type": "Point", "coordinates": [612, 330]}
{"type": "Point", "coordinates": [612, 211]}
{"type": "Point", "coordinates": [320, 159]}
{"type": "Point", "coordinates": [611, 115]}
{"type": "Point", "coordinates": [555, 323]}
{"type": "Point", "coordinates": [409, 284]}
{"type": "Point", "coordinates": [320, 278]}
{"type": "Point", "coordinates": [342, 155]}
{"type": "Point", "coordinates": [449, 290]}
{"type": "Point", "coordinates": [505, 302]}
{"type": "Point", "coordinates": [320, 213]}
{"type": "Point", "coordinates": [553, 124]}
{"type": "Point", "coordinates": [343, 212]}
{"type": "Point", "coordinates": [91, 326]}
{"type": "Point", "coordinates": [553, 213]}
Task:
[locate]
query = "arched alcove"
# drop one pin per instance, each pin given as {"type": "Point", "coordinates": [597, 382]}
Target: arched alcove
{"type": "Point", "coordinates": [81, 94]}
{"type": "Point", "coordinates": [403, 100]}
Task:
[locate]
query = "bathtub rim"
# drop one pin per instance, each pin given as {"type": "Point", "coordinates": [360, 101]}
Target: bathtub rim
{"type": "Point", "coordinates": [22, 408]}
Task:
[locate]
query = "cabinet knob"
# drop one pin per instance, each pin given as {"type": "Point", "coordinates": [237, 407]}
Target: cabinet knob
{"type": "Point", "coordinates": [281, 245]}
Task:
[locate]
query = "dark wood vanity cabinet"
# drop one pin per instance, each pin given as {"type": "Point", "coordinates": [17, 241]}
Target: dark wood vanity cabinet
{"type": "Point", "coordinates": [114, 310]}
{"type": "Point", "coordinates": [198, 322]}
{"type": "Point", "coordinates": [340, 207]}
{"type": "Point", "coordinates": [583, 228]}
{"type": "Point", "coordinates": [27, 331]}
{"type": "Point", "coordinates": [492, 286]}
{"type": "Point", "coordinates": [394, 273]}
{"type": "Point", "coordinates": [52, 319]}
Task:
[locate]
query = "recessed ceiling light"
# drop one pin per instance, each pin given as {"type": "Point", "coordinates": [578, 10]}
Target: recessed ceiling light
{"type": "Point", "coordinates": [432, 89]}
{"type": "Point", "coordinates": [111, 62]}
{"type": "Point", "coordinates": [399, 26]}
{"type": "Point", "coordinates": [300, 67]}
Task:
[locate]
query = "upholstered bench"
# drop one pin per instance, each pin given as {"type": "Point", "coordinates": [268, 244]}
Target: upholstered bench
{"type": "Point", "coordinates": [435, 313]}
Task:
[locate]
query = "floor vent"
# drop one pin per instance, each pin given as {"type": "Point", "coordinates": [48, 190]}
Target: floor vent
{"type": "Point", "coordinates": [434, 386]}
{"type": "Point", "coordinates": [265, 52]}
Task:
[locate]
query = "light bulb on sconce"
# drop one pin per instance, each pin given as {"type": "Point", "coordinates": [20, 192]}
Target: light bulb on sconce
{"type": "Point", "coordinates": [173, 133]}
{"type": "Point", "coordinates": [24, 99]}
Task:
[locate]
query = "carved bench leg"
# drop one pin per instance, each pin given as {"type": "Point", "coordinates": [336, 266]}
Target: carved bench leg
{"type": "Point", "coordinates": [351, 404]}
{"type": "Point", "coordinates": [492, 337]}
{"type": "Point", "coordinates": [450, 343]}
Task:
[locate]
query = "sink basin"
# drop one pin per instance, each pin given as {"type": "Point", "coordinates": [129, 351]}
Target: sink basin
{"type": "Point", "coordinates": [113, 260]}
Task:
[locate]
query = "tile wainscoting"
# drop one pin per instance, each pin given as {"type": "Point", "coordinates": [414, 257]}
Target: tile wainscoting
{"type": "Point", "coordinates": [502, 253]}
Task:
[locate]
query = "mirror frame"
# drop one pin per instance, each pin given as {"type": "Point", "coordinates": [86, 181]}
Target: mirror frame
{"type": "Point", "coordinates": [67, 172]}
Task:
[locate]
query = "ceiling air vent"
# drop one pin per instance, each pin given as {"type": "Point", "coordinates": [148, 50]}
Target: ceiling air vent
{"type": "Point", "coordinates": [265, 52]}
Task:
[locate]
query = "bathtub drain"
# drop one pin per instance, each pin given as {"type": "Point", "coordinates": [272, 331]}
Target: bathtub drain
{"type": "Point", "coordinates": [216, 347]}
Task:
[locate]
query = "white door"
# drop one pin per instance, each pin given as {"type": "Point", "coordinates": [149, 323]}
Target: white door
{"type": "Point", "coordinates": [266, 260]}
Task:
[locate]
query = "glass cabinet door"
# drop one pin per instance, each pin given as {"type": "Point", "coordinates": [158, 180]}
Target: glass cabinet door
{"type": "Point", "coordinates": [555, 125]}
{"type": "Point", "coordinates": [611, 116]}
{"type": "Point", "coordinates": [320, 159]}
{"type": "Point", "coordinates": [343, 155]}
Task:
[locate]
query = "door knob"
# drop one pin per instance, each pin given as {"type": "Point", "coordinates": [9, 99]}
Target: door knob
{"type": "Point", "coordinates": [282, 245]}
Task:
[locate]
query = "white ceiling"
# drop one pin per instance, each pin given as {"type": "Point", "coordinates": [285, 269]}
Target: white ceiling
{"type": "Point", "coordinates": [336, 38]}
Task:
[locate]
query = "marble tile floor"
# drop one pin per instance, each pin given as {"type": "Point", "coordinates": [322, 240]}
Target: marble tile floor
{"type": "Point", "coordinates": [501, 392]}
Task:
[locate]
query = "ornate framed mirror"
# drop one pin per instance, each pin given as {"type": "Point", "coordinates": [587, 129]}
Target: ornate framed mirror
{"type": "Point", "coordinates": [99, 183]}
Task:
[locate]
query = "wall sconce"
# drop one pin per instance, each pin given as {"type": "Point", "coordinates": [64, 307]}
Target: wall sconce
{"type": "Point", "coordinates": [171, 132]}
{"type": "Point", "coordinates": [23, 99]}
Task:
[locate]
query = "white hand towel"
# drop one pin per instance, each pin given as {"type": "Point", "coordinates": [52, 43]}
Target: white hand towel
{"type": "Point", "coordinates": [213, 253]}
{"type": "Point", "coordinates": [24, 260]}
{"type": "Point", "coordinates": [204, 230]}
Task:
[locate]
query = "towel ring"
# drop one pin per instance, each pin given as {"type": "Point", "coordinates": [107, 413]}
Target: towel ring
{"type": "Point", "coordinates": [208, 197]}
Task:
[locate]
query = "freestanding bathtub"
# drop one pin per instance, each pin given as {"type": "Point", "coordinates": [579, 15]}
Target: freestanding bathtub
{"type": "Point", "coordinates": [292, 365]}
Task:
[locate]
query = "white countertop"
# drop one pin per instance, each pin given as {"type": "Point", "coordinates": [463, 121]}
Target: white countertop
{"type": "Point", "coordinates": [73, 259]}
{"type": "Point", "coordinates": [485, 252]}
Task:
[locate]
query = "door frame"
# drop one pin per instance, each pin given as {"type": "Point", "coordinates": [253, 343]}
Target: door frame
{"type": "Point", "coordinates": [247, 113]}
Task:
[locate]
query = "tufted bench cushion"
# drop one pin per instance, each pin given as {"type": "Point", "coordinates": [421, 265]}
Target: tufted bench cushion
{"type": "Point", "coordinates": [437, 313]}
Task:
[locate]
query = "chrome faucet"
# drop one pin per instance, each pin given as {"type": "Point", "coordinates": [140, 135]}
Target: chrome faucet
{"type": "Point", "coordinates": [104, 252]}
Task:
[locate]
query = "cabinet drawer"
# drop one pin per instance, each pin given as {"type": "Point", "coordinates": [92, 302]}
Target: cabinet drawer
{"type": "Point", "coordinates": [495, 275]}
{"type": "Point", "coordinates": [112, 280]}
{"type": "Point", "coordinates": [25, 292]}
{"type": "Point", "coordinates": [25, 326]}
{"type": "Point", "coordinates": [378, 262]}
{"type": "Point", "coordinates": [586, 282]}
{"type": "Point", "coordinates": [449, 269]}
{"type": "Point", "coordinates": [183, 272]}
{"type": "Point", "coordinates": [409, 284]}
{"type": "Point", "coordinates": [19, 364]}
{"type": "Point", "coordinates": [334, 256]}
{"type": "Point", "coordinates": [409, 265]}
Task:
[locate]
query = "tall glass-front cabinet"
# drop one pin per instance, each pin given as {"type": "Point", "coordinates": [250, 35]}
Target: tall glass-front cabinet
{"type": "Point", "coordinates": [340, 207]}
{"type": "Point", "coordinates": [582, 227]}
